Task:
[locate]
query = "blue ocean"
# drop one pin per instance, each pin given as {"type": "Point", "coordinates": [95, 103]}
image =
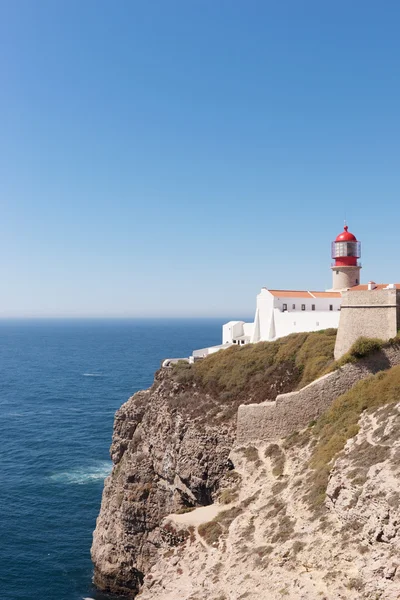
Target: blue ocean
{"type": "Point", "coordinates": [60, 385]}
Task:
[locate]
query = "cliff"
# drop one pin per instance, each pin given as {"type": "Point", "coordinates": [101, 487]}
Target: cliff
{"type": "Point", "coordinates": [186, 514]}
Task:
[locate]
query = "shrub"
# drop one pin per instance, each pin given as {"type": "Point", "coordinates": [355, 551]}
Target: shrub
{"type": "Point", "coordinates": [211, 532]}
{"type": "Point", "coordinates": [227, 496]}
{"type": "Point", "coordinates": [185, 509]}
{"type": "Point", "coordinates": [360, 349]}
{"type": "Point", "coordinates": [365, 346]}
{"type": "Point", "coordinates": [275, 453]}
{"type": "Point", "coordinates": [297, 547]}
{"type": "Point", "coordinates": [285, 530]}
{"type": "Point", "coordinates": [262, 551]}
{"type": "Point", "coordinates": [355, 584]}
{"type": "Point", "coordinates": [251, 453]}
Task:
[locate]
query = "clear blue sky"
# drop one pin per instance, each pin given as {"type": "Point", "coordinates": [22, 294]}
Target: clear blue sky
{"type": "Point", "coordinates": [171, 157]}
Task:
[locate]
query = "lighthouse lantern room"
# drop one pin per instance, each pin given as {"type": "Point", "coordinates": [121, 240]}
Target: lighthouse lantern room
{"type": "Point", "coordinates": [346, 250]}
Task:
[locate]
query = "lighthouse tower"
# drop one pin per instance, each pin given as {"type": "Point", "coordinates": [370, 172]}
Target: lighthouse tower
{"type": "Point", "coordinates": [346, 251]}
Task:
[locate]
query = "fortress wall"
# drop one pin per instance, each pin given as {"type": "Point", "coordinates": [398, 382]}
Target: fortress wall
{"type": "Point", "coordinates": [291, 412]}
{"type": "Point", "coordinates": [368, 313]}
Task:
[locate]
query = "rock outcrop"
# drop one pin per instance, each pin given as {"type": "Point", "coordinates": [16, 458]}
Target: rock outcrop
{"type": "Point", "coordinates": [163, 462]}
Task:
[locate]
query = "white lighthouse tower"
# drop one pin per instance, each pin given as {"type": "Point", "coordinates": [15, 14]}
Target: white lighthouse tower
{"type": "Point", "coordinates": [346, 250]}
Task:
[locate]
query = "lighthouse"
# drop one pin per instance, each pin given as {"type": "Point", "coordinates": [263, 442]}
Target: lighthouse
{"type": "Point", "coordinates": [346, 250]}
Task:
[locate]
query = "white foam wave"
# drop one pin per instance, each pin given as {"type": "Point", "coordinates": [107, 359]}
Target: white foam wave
{"type": "Point", "coordinates": [14, 414]}
{"type": "Point", "coordinates": [83, 475]}
{"type": "Point", "coordinates": [93, 374]}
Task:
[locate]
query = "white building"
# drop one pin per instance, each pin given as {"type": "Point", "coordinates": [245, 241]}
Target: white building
{"type": "Point", "coordinates": [281, 312]}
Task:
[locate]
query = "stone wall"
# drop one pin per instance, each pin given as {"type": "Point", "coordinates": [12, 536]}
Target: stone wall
{"type": "Point", "coordinates": [294, 411]}
{"type": "Point", "coordinates": [368, 313]}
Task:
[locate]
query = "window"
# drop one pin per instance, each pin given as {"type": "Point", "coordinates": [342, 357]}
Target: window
{"type": "Point", "coordinates": [331, 307]}
{"type": "Point", "coordinates": [293, 307]}
{"type": "Point", "coordinates": [303, 307]}
{"type": "Point", "coordinates": [337, 272]}
{"type": "Point", "coordinates": [312, 306]}
{"type": "Point", "coordinates": [356, 281]}
{"type": "Point", "coordinates": [284, 307]}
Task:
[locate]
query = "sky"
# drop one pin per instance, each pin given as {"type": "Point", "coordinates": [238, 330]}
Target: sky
{"type": "Point", "coordinates": [168, 158]}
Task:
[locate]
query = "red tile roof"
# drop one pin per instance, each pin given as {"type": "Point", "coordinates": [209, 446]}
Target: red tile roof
{"type": "Point", "coordinates": [304, 294]}
{"type": "Point", "coordinates": [377, 286]}
{"type": "Point", "coordinates": [327, 294]}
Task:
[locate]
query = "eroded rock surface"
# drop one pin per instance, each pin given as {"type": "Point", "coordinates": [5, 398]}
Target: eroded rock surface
{"type": "Point", "coordinates": [271, 545]}
{"type": "Point", "coordinates": [163, 463]}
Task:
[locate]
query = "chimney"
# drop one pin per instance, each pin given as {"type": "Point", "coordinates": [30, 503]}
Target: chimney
{"type": "Point", "coordinates": [371, 285]}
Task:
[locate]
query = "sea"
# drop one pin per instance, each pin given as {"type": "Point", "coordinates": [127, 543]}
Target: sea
{"type": "Point", "coordinates": [60, 385]}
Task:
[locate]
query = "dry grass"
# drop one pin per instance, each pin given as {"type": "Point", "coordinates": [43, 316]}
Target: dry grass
{"type": "Point", "coordinates": [284, 531]}
{"type": "Point", "coordinates": [275, 453]}
{"type": "Point", "coordinates": [212, 531]}
{"type": "Point", "coordinates": [228, 495]}
{"type": "Point", "coordinates": [360, 349]}
{"type": "Point", "coordinates": [185, 509]}
{"type": "Point", "coordinates": [261, 370]}
{"type": "Point", "coordinates": [340, 423]}
{"type": "Point", "coordinates": [250, 453]}
{"type": "Point", "coordinates": [297, 547]}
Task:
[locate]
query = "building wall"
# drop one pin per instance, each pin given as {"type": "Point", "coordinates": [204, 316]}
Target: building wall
{"type": "Point", "coordinates": [292, 412]}
{"type": "Point", "coordinates": [248, 329]}
{"type": "Point", "coordinates": [367, 313]}
{"type": "Point", "coordinates": [232, 330]}
{"type": "Point", "coordinates": [308, 320]}
{"type": "Point", "coordinates": [321, 304]}
{"type": "Point", "coordinates": [263, 320]}
{"type": "Point", "coordinates": [271, 321]}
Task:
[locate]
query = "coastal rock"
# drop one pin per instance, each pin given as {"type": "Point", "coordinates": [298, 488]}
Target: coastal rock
{"type": "Point", "coordinates": [163, 463]}
{"type": "Point", "coordinates": [187, 513]}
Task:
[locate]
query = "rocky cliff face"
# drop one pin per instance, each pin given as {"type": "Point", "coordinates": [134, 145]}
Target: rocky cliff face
{"type": "Point", "coordinates": [163, 463]}
{"type": "Point", "coordinates": [271, 544]}
{"type": "Point", "coordinates": [170, 452]}
{"type": "Point", "coordinates": [187, 514]}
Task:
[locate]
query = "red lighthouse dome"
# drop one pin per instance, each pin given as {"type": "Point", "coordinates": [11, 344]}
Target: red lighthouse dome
{"type": "Point", "coordinates": [346, 236]}
{"type": "Point", "coordinates": [346, 250]}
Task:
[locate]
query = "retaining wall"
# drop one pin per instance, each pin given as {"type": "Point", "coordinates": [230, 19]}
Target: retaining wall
{"type": "Point", "coordinates": [294, 411]}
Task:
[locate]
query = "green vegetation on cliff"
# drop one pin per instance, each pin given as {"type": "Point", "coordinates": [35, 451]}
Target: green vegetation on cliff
{"type": "Point", "coordinates": [258, 372]}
